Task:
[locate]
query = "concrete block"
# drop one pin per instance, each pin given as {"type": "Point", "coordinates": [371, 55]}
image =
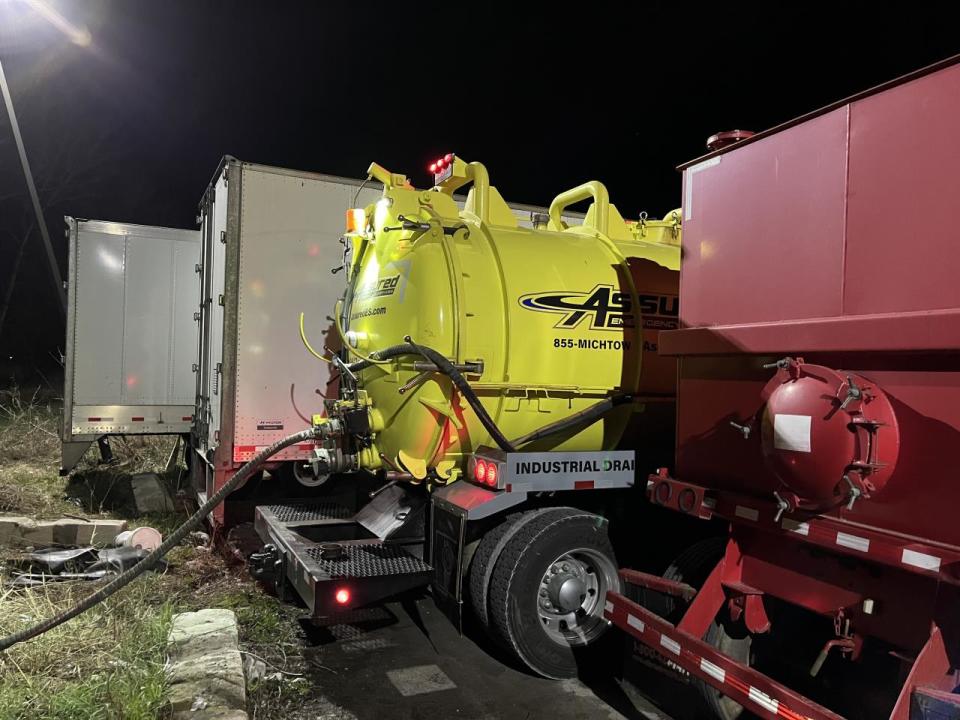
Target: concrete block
{"type": "Point", "coordinates": [217, 677]}
{"type": "Point", "coordinates": [150, 494]}
{"type": "Point", "coordinates": [205, 671]}
{"type": "Point", "coordinates": [205, 631]}
{"type": "Point", "coordinates": [20, 532]}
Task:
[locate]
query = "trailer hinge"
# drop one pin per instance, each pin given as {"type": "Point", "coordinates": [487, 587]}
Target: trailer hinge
{"type": "Point", "coordinates": [196, 316]}
{"type": "Point", "coordinates": [194, 367]}
{"type": "Point", "coordinates": [198, 268]}
{"type": "Point", "coordinates": [216, 378]}
{"type": "Point", "coordinates": [220, 301]}
{"type": "Point", "coordinates": [223, 236]}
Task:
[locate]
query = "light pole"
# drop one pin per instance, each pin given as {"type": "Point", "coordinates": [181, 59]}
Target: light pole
{"type": "Point", "coordinates": [79, 36]}
{"type": "Point", "coordinates": [55, 275]}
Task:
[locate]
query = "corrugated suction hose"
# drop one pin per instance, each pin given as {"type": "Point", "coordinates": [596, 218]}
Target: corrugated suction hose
{"type": "Point", "coordinates": [172, 541]}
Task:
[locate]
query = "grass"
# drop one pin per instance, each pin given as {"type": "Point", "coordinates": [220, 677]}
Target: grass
{"type": "Point", "coordinates": [108, 664]}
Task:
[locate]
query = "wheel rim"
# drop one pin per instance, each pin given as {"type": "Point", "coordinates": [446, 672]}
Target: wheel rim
{"type": "Point", "coordinates": [571, 596]}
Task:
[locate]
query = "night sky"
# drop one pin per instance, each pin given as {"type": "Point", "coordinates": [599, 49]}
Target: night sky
{"type": "Point", "coordinates": [131, 127]}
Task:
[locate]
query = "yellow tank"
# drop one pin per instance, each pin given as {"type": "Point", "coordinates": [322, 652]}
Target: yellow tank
{"type": "Point", "coordinates": [543, 323]}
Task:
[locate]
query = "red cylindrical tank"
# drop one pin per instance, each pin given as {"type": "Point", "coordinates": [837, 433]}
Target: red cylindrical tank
{"type": "Point", "coordinates": [821, 434]}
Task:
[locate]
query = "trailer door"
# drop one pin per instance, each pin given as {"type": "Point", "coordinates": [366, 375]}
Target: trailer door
{"type": "Point", "coordinates": [131, 335]}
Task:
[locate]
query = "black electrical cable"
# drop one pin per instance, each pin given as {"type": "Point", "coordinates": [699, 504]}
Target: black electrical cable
{"type": "Point", "coordinates": [172, 541]}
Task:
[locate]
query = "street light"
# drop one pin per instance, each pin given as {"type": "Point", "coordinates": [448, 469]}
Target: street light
{"type": "Point", "coordinates": [79, 36]}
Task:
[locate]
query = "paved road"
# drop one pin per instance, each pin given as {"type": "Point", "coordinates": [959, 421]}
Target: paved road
{"type": "Point", "coordinates": [406, 660]}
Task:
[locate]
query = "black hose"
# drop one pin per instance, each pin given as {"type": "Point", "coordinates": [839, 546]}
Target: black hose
{"type": "Point", "coordinates": [172, 541]}
{"type": "Point", "coordinates": [583, 418]}
{"type": "Point", "coordinates": [447, 368]}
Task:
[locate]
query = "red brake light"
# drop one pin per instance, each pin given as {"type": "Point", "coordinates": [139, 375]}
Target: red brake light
{"type": "Point", "coordinates": [342, 596]}
{"type": "Point", "coordinates": [480, 471]}
{"type": "Point", "coordinates": [492, 475]}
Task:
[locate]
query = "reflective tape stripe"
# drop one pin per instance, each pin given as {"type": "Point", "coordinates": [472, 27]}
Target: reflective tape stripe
{"type": "Point", "coordinates": [854, 542]}
{"type": "Point", "coordinates": [608, 607]}
{"type": "Point", "coordinates": [747, 513]}
{"type": "Point", "coordinates": [800, 528]}
{"type": "Point", "coordinates": [635, 623]}
{"type": "Point", "coordinates": [670, 644]}
{"type": "Point", "coordinates": [920, 560]}
{"type": "Point", "coordinates": [714, 671]}
{"type": "Point", "coordinates": [763, 700]}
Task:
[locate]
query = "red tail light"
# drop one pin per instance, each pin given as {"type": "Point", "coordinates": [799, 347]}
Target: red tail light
{"type": "Point", "coordinates": [480, 471]}
{"type": "Point", "coordinates": [492, 475]}
{"type": "Point", "coordinates": [343, 596]}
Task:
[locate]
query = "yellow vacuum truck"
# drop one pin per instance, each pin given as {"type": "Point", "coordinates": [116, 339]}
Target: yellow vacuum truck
{"type": "Point", "coordinates": [486, 373]}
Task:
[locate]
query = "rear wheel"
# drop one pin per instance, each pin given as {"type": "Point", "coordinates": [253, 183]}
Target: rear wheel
{"type": "Point", "coordinates": [692, 567]}
{"type": "Point", "coordinates": [548, 589]}
{"type": "Point", "coordinates": [737, 645]}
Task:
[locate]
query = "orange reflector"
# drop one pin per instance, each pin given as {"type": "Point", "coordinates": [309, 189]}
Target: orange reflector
{"type": "Point", "coordinates": [342, 596]}
{"type": "Point", "coordinates": [356, 220]}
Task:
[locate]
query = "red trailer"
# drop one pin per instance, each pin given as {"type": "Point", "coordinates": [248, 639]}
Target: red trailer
{"type": "Point", "coordinates": [819, 398]}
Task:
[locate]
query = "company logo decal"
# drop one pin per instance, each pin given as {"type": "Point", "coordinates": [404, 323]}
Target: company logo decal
{"type": "Point", "coordinates": [605, 308]}
{"type": "Point", "coordinates": [381, 288]}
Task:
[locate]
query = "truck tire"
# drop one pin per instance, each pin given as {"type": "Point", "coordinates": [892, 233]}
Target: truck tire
{"type": "Point", "coordinates": [481, 567]}
{"type": "Point", "coordinates": [485, 559]}
{"type": "Point", "coordinates": [692, 567]}
{"type": "Point", "coordinates": [548, 589]}
{"type": "Point", "coordinates": [739, 648]}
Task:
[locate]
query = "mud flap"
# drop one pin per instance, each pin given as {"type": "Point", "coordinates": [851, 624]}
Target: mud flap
{"type": "Point", "coordinates": [448, 523]}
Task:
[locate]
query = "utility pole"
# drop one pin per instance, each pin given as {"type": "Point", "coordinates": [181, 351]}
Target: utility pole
{"type": "Point", "coordinates": [55, 276]}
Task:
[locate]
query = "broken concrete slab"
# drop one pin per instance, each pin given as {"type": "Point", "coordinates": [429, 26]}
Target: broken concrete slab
{"type": "Point", "coordinates": [218, 677]}
{"type": "Point", "coordinates": [205, 670]}
{"type": "Point", "coordinates": [150, 494]}
{"type": "Point", "coordinates": [21, 532]}
{"type": "Point", "coordinates": [205, 631]}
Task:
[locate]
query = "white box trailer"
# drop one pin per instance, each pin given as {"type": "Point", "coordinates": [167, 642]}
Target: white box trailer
{"type": "Point", "coordinates": [131, 338]}
{"type": "Point", "coordinates": [271, 250]}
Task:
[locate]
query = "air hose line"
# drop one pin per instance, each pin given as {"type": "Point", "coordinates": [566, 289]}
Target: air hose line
{"type": "Point", "coordinates": [172, 541]}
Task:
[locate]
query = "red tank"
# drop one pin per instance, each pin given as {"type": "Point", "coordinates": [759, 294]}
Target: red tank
{"type": "Point", "coordinates": [819, 394]}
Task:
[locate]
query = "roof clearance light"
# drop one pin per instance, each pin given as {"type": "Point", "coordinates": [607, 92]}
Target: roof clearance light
{"type": "Point", "coordinates": [448, 158]}
{"type": "Point", "coordinates": [492, 475]}
{"type": "Point", "coordinates": [356, 220]}
{"type": "Point", "coordinates": [343, 596]}
{"type": "Point", "coordinates": [480, 471]}
{"type": "Point", "coordinates": [433, 167]}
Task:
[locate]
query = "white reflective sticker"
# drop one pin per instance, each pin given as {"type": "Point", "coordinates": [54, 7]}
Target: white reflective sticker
{"type": "Point", "coordinates": [747, 513]}
{"type": "Point", "coordinates": [854, 542]}
{"type": "Point", "coordinates": [635, 623]}
{"type": "Point", "coordinates": [921, 560]}
{"type": "Point", "coordinates": [791, 432]}
{"type": "Point", "coordinates": [608, 607]}
{"type": "Point", "coordinates": [800, 528]}
{"type": "Point", "coordinates": [670, 644]}
{"type": "Point", "coordinates": [714, 671]}
{"type": "Point", "coordinates": [763, 700]}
